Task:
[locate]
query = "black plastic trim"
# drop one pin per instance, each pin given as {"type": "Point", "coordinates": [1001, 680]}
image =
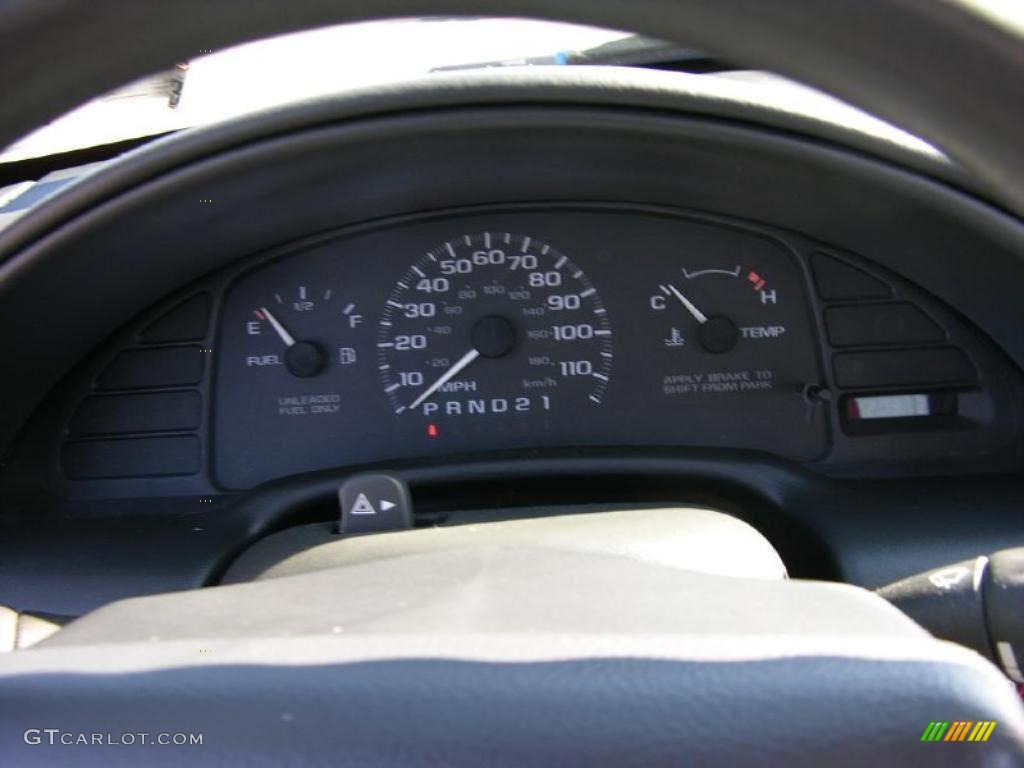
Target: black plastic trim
{"type": "Point", "coordinates": [863, 532]}
{"type": "Point", "coordinates": [834, 196]}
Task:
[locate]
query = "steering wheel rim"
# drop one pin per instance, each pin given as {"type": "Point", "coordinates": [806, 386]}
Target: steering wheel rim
{"type": "Point", "coordinates": [942, 70]}
{"type": "Point", "coordinates": [832, 44]}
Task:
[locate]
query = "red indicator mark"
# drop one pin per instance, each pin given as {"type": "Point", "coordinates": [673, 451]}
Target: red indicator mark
{"type": "Point", "coordinates": [432, 431]}
{"type": "Point", "coordinates": [258, 314]}
{"type": "Point", "coordinates": [852, 409]}
{"type": "Point", "coordinates": [757, 280]}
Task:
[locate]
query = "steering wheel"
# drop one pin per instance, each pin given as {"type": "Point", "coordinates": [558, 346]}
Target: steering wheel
{"type": "Point", "coordinates": [748, 673]}
{"type": "Point", "coordinates": [943, 70]}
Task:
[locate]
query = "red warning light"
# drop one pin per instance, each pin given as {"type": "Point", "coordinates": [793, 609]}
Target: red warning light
{"type": "Point", "coordinates": [432, 431]}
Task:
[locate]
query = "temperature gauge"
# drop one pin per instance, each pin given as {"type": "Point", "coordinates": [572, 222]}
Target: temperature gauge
{"type": "Point", "coordinates": [729, 328]}
{"type": "Point", "coordinates": [716, 308]}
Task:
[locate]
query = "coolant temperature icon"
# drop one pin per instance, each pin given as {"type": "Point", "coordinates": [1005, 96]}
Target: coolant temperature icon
{"type": "Point", "coordinates": [675, 339]}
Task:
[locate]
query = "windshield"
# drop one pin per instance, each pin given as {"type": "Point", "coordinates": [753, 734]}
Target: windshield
{"type": "Point", "coordinates": [222, 84]}
{"type": "Point", "coordinates": [217, 85]}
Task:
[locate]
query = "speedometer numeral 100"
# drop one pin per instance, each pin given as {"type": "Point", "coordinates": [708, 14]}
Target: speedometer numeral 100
{"type": "Point", "coordinates": [573, 332]}
{"type": "Point", "coordinates": [493, 324]}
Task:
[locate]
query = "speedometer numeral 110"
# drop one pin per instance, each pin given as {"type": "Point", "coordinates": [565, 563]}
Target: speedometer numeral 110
{"type": "Point", "coordinates": [493, 324]}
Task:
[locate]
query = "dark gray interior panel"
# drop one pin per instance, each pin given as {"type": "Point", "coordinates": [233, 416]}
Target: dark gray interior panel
{"type": "Point", "coordinates": [926, 257]}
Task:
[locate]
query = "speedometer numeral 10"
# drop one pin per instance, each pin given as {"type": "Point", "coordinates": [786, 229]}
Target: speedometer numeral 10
{"type": "Point", "coordinates": [517, 325]}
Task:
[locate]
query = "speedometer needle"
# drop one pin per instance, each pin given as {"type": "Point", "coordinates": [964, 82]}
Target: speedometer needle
{"type": "Point", "coordinates": [286, 337]}
{"type": "Point", "coordinates": [699, 316]}
{"type": "Point", "coordinates": [447, 376]}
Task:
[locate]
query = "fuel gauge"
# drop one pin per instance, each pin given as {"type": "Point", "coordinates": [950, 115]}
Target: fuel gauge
{"type": "Point", "coordinates": [305, 331]}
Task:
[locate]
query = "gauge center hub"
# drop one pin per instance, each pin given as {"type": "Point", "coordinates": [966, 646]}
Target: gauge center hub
{"type": "Point", "coordinates": [304, 359]}
{"type": "Point", "coordinates": [493, 336]}
{"type": "Point", "coordinates": [719, 334]}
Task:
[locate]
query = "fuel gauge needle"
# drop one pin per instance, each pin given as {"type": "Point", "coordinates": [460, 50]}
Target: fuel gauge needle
{"type": "Point", "coordinates": [699, 316]}
{"type": "Point", "coordinates": [447, 376]}
{"type": "Point", "coordinates": [286, 337]}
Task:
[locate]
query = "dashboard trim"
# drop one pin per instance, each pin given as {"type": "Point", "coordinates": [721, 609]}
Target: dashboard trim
{"type": "Point", "coordinates": [87, 244]}
{"type": "Point", "coordinates": [865, 532]}
{"type": "Point", "coordinates": [137, 206]}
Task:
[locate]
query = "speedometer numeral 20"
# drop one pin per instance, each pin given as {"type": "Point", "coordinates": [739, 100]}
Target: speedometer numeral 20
{"type": "Point", "coordinates": [492, 324]}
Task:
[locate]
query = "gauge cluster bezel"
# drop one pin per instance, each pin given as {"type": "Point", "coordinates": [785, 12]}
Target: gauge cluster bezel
{"type": "Point", "coordinates": [562, 221]}
{"type": "Point", "coordinates": [864, 455]}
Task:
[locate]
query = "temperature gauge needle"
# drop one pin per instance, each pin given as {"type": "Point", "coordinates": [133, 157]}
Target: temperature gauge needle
{"type": "Point", "coordinates": [286, 337]}
{"type": "Point", "coordinates": [699, 316]}
{"type": "Point", "coordinates": [447, 376]}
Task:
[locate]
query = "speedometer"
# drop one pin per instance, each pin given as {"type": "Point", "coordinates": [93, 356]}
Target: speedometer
{"type": "Point", "coordinates": [493, 324]}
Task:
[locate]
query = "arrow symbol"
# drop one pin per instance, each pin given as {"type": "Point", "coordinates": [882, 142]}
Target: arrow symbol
{"type": "Point", "coordinates": [385, 505]}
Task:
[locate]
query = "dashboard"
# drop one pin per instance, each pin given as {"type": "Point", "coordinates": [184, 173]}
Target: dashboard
{"type": "Point", "coordinates": [791, 332]}
{"type": "Point", "coordinates": [530, 329]}
{"type": "Point", "coordinates": [516, 330]}
{"type": "Point", "coordinates": [697, 398]}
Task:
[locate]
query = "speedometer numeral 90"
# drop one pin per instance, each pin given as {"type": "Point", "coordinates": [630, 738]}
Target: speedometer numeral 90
{"type": "Point", "coordinates": [558, 303]}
